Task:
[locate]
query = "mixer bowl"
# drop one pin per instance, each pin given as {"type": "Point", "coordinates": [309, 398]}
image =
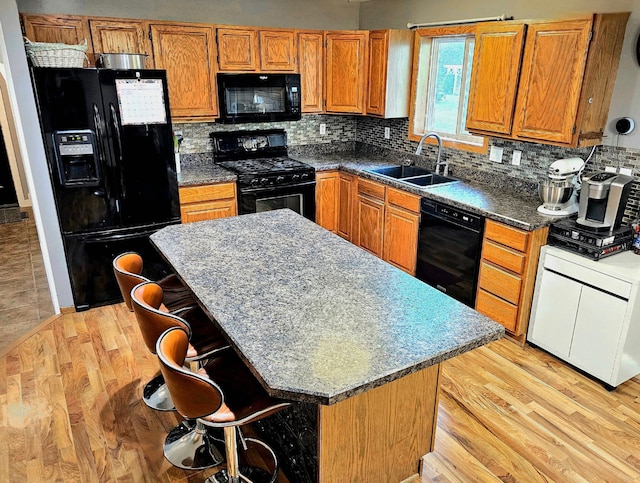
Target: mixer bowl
{"type": "Point", "coordinates": [554, 194]}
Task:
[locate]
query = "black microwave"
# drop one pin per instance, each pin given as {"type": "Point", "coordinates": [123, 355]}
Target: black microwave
{"type": "Point", "coordinates": [258, 97]}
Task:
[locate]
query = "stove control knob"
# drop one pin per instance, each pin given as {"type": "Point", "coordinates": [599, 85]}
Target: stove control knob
{"type": "Point", "coordinates": [295, 177]}
{"type": "Point", "coordinates": [279, 179]}
{"type": "Point", "coordinates": [255, 182]}
{"type": "Point", "coordinates": [264, 181]}
{"type": "Point", "coordinates": [304, 176]}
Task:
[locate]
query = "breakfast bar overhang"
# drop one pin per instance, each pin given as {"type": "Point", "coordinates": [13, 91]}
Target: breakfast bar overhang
{"type": "Point", "coordinates": [357, 342]}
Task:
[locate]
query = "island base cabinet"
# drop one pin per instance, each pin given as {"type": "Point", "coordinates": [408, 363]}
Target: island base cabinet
{"type": "Point", "coordinates": [378, 435]}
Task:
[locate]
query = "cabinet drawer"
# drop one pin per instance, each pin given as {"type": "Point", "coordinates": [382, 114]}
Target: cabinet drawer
{"type": "Point", "coordinates": [506, 235]}
{"type": "Point", "coordinates": [403, 200]}
{"type": "Point", "coordinates": [191, 194]}
{"type": "Point", "coordinates": [371, 188]}
{"type": "Point", "coordinates": [499, 282]}
{"type": "Point", "coordinates": [499, 310]}
{"type": "Point", "coordinates": [504, 257]}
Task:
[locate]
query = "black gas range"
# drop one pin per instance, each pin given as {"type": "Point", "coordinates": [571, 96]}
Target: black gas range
{"type": "Point", "coordinates": [267, 178]}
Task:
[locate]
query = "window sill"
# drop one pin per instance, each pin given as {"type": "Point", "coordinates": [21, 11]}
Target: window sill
{"type": "Point", "coordinates": [452, 144]}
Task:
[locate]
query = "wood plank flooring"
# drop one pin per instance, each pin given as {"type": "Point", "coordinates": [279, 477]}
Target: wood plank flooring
{"type": "Point", "coordinates": [70, 410]}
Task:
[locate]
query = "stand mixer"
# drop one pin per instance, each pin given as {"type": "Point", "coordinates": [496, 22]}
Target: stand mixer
{"type": "Point", "coordinates": [559, 193]}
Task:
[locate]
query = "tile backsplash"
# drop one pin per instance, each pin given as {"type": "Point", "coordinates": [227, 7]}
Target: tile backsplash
{"type": "Point", "coordinates": [535, 160]}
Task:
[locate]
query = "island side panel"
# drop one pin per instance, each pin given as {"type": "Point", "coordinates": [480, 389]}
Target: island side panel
{"type": "Point", "coordinates": [381, 434]}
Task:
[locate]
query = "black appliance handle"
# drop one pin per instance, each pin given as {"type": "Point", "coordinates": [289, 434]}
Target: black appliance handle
{"type": "Point", "coordinates": [116, 129]}
{"type": "Point", "coordinates": [276, 187]}
{"type": "Point", "coordinates": [97, 123]}
{"type": "Point", "coordinates": [124, 236]}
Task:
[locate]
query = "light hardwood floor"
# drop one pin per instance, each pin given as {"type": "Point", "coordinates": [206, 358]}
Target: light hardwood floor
{"type": "Point", "coordinates": [70, 410]}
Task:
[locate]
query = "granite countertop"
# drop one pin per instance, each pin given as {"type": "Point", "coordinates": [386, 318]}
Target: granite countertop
{"type": "Point", "coordinates": [314, 317]}
{"type": "Point", "coordinates": [494, 202]}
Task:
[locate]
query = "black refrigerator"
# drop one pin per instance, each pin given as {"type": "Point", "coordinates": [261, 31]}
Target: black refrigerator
{"type": "Point", "coordinates": [109, 145]}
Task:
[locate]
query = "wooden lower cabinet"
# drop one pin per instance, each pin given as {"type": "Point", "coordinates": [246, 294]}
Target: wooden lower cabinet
{"type": "Point", "coordinates": [507, 275]}
{"type": "Point", "coordinates": [369, 221]}
{"type": "Point", "coordinates": [401, 237]}
{"type": "Point", "coordinates": [208, 202]}
{"type": "Point", "coordinates": [346, 186]}
{"type": "Point", "coordinates": [327, 200]}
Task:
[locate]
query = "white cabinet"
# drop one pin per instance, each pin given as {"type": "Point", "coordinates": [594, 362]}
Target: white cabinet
{"type": "Point", "coordinates": [588, 313]}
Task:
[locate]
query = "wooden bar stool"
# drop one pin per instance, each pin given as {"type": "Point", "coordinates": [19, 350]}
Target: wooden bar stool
{"type": "Point", "coordinates": [153, 319]}
{"type": "Point", "coordinates": [127, 268]}
{"type": "Point", "coordinates": [223, 394]}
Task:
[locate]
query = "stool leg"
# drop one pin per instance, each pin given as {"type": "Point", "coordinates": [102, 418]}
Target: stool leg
{"type": "Point", "coordinates": [191, 447]}
{"type": "Point", "coordinates": [156, 395]}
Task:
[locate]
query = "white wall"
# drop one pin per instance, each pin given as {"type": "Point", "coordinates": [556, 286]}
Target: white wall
{"type": "Point", "coordinates": [308, 14]}
{"type": "Point", "coordinates": [32, 151]}
{"type": "Point", "coordinates": [626, 95]}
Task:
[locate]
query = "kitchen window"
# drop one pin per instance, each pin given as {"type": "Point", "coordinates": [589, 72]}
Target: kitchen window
{"type": "Point", "coordinates": [444, 58]}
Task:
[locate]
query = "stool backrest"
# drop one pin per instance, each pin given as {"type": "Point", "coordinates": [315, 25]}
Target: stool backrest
{"type": "Point", "coordinates": [152, 316]}
{"type": "Point", "coordinates": [194, 396]}
{"type": "Point", "coordinates": [128, 269]}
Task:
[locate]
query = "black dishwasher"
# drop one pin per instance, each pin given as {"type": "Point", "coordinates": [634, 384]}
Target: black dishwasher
{"type": "Point", "coordinates": [449, 246]}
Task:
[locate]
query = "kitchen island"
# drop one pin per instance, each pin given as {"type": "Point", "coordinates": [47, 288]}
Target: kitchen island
{"type": "Point", "coordinates": [318, 320]}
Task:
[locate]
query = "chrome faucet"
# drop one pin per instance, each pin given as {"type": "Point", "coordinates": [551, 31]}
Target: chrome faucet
{"type": "Point", "coordinates": [438, 162]}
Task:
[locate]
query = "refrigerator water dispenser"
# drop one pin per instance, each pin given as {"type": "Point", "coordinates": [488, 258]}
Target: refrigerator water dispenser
{"type": "Point", "coordinates": [77, 158]}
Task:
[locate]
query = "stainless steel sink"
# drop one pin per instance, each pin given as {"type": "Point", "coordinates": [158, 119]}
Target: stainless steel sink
{"type": "Point", "coordinates": [400, 172]}
{"type": "Point", "coordinates": [413, 175]}
{"type": "Point", "coordinates": [429, 180]}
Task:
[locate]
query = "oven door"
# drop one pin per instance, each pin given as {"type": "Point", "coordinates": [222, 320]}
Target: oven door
{"type": "Point", "coordinates": [300, 198]}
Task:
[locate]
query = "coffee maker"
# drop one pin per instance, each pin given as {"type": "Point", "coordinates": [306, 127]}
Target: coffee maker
{"type": "Point", "coordinates": [603, 197]}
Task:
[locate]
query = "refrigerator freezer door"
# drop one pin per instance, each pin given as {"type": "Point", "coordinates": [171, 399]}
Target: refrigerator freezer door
{"type": "Point", "coordinates": [139, 125]}
{"type": "Point", "coordinates": [69, 100]}
{"type": "Point", "coordinates": [90, 258]}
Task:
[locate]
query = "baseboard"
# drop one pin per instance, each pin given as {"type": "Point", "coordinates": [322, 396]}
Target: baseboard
{"type": "Point", "coordinates": [26, 335]}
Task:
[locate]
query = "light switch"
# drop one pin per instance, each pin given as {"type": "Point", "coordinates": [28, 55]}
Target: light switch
{"type": "Point", "coordinates": [387, 132]}
{"type": "Point", "coordinates": [323, 128]}
{"type": "Point", "coordinates": [496, 154]}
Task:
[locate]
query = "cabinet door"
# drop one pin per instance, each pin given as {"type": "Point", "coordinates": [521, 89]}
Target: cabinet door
{"type": "Point", "coordinates": [376, 92]}
{"type": "Point", "coordinates": [327, 200]}
{"type": "Point", "coordinates": [346, 72]}
{"type": "Point", "coordinates": [369, 224]}
{"type": "Point", "coordinates": [207, 210]}
{"type": "Point", "coordinates": [66, 29]}
{"type": "Point", "coordinates": [551, 80]}
{"type": "Point", "coordinates": [238, 49]}
{"type": "Point", "coordinates": [597, 333]}
{"type": "Point", "coordinates": [278, 51]}
{"type": "Point", "coordinates": [494, 77]}
{"type": "Point", "coordinates": [401, 238]}
{"type": "Point", "coordinates": [129, 36]}
{"type": "Point", "coordinates": [188, 55]}
{"type": "Point", "coordinates": [345, 205]}
{"type": "Point", "coordinates": [554, 314]}
{"type": "Point", "coordinates": [311, 55]}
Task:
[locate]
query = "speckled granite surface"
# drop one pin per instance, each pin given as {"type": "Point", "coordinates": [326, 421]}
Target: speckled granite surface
{"type": "Point", "coordinates": [492, 199]}
{"type": "Point", "coordinates": [316, 318]}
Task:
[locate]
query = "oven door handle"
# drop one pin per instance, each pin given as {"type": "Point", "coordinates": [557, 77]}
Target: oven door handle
{"type": "Point", "coordinates": [274, 188]}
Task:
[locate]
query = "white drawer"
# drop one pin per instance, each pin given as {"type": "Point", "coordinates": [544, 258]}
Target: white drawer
{"type": "Point", "coordinates": [587, 276]}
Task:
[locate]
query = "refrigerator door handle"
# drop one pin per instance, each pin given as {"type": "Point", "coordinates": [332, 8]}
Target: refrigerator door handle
{"type": "Point", "coordinates": [97, 122]}
{"type": "Point", "coordinates": [116, 128]}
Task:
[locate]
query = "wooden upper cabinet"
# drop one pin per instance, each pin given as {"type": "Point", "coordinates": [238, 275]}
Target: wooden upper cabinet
{"type": "Point", "coordinates": [278, 50]}
{"type": "Point", "coordinates": [311, 62]}
{"type": "Point", "coordinates": [129, 36]}
{"type": "Point", "coordinates": [65, 29]}
{"type": "Point", "coordinates": [187, 52]}
{"type": "Point", "coordinates": [494, 76]}
{"type": "Point", "coordinates": [346, 71]}
{"type": "Point", "coordinates": [565, 82]}
{"type": "Point", "coordinates": [389, 79]}
{"type": "Point", "coordinates": [237, 49]}
{"type": "Point", "coordinates": [553, 67]}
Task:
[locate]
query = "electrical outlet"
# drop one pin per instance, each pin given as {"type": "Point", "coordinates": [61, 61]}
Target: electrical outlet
{"type": "Point", "coordinates": [627, 171]}
{"type": "Point", "coordinates": [323, 128]}
{"type": "Point", "coordinates": [387, 132]}
{"type": "Point", "coordinates": [177, 133]}
{"type": "Point", "coordinates": [610, 169]}
{"type": "Point", "coordinates": [496, 154]}
{"type": "Point", "coordinates": [517, 156]}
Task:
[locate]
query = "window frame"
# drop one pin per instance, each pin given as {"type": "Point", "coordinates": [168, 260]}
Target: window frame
{"type": "Point", "coordinates": [419, 35]}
